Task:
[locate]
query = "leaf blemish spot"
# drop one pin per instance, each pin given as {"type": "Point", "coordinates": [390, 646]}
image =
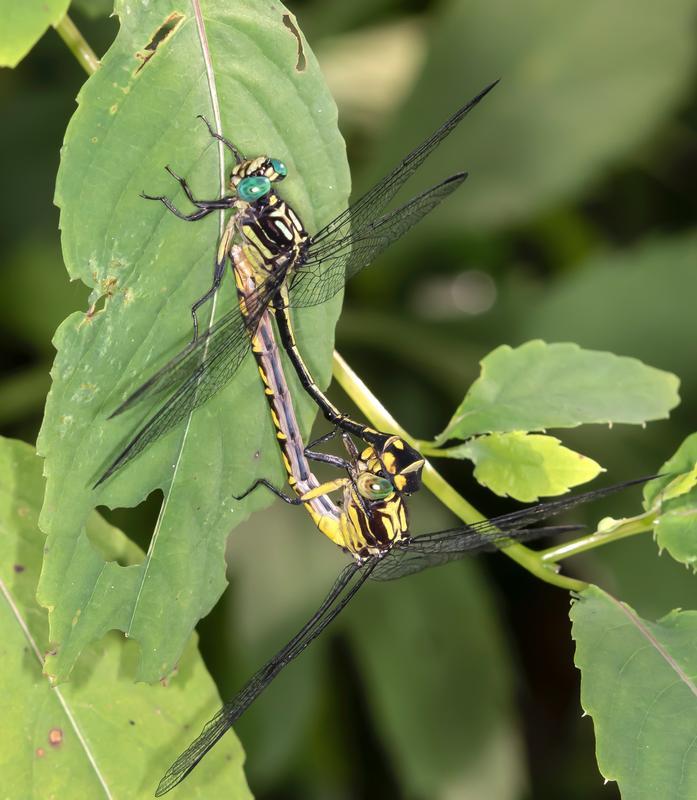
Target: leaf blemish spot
{"type": "Point", "coordinates": [19, 568]}
{"type": "Point", "coordinates": [55, 737]}
{"type": "Point", "coordinates": [161, 35]}
{"type": "Point", "coordinates": [301, 61]}
{"type": "Point", "coordinates": [40, 752]}
{"type": "Point", "coordinates": [105, 291]}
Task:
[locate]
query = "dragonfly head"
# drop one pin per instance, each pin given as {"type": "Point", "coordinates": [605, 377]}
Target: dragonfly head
{"type": "Point", "coordinates": [252, 179]}
{"type": "Point", "coordinates": [398, 461]}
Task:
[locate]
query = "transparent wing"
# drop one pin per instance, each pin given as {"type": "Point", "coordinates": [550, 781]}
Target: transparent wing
{"type": "Point", "coordinates": [348, 583]}
{"type": "Point", "coordinates": [374, 201]}
{"type": "Point", "coordinates": [193, 376]}
{"type": "Point", "coordinates": [417, 555]}
{"type": "Point", "coordinates": [440, 547]}
{"type": "Point", "coordinates": [327, 266]}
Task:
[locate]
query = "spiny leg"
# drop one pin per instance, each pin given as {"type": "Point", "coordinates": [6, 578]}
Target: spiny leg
{"type": "Point", "coordinates": [200, 214]}
{"type": "Point", "coordinates": [293, 501]}
{"type": "Point", "coordinates": [326, 437]}
{"type": "Point", "coordinates": [326, 458]}
{"type": "Point", "coordinates": [230, 146]}
{"type": "Point", "coordinates": [223, 202]}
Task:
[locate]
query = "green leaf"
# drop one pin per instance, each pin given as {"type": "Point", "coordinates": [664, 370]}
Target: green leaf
{"type": "Point", "coordinates": [676, 527]}
{"type": "Point", "coordinates": [539, 385]}
{"type": "Point", "coordinates": [525, 466]}
{"type": "Point", "coordinates": [102, 735]}
{"type": "Point", "coordinates": [135, 115]}
{"type": "Point", "coordinates": [638, 684]}
{"type": "Point", "coordinates": [567, 105]}
{"type": "Point", "coordinates": [435, 672]}
{"type": "Point", "coordinates": [23, 24]}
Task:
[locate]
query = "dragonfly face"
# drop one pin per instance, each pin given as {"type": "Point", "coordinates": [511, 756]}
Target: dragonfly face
{"type": "Point", "coordinates": [394, 459]}
{"type": "Point", "coordinates": [252, 179]}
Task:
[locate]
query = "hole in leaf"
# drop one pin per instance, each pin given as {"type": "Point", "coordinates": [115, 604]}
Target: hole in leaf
{"type": "Point", "coordinates": [137, 523]}
{"type": "Point", "coordinates": [301, 61]}
{"type": "Point", "coordinates": [168, 27]}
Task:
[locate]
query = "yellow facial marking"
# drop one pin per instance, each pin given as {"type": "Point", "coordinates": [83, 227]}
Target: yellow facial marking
{"type": "Point", "coordinates": [389, 461]}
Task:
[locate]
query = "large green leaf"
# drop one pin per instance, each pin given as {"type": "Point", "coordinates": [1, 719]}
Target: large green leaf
{"type": "Point", "coordinates": [567, 105]}
{"type": "Point", "coordinates": [538, 385]}
{"type": "Point", "coordinates": [639, 683]}
{"type": "Point", "coordinates": [23, 24]}
{"type": "Point", "coordinates": [135, 115]}
{"type": "Point", "coordinates": [525, 466]}
{"type": "Point", "coordinates": [102, 735]}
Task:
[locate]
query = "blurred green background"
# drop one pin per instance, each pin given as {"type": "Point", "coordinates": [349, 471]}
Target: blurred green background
{"type": "Point", "coordinates": [576, 224]}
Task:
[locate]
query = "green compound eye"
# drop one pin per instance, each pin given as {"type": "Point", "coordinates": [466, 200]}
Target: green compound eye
{"type": "Point", "coordinates": [280, 168]}
{"type": "Point", "coordinates": [373, 487]}
{"type": "Point", "coordinates": [253, 188]}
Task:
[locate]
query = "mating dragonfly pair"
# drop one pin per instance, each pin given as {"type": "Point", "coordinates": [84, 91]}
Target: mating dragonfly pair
{"type": "Point", "coordinates": [277, 265]}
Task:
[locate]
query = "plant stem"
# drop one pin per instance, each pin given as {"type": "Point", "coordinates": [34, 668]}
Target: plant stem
{"type": "Point", "coordinates": [629, 527]}
{"type": "Point", "coordinates": [77, 45]}
{"type": "Point", "coordinates": [382, 419]}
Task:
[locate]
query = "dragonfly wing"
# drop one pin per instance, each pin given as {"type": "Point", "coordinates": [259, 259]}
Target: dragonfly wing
{"type": "Point", "coordinates": [182, 365]}
{"type": "Point", "coordinates": [440, 547]}
{"type": "Point", "coordinates": [326, 267]}
{"type": "Point", "coordinates": [418, 555]}
{"type": "Point", "coordinates": [348, 583]}
{"type": "Point", "coordinates": [197, 373]}
{"type": "Point", "coordinates": [374, 201]}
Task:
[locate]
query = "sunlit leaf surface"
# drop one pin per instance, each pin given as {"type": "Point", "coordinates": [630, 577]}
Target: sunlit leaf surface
{"type": "Point", "coordinates": [525, 466]}
{"type": "Point", "coordinates": [539, 385]}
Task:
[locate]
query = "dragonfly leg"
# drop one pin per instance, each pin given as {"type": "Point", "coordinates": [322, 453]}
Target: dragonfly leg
{"type": "Point", "coordinates": [326, 458]}
{"type": "Point", "coordinates": [324, 438]}
{"type": "Point", "coordinates": [293, 501]}
{"type": "Point", "coordinates": [202, 212]}
{"type": "Point", "coordinates": [223, 202]}
{"type": "Point", "coordinates": [230, 146]}
{"type": "Point", "coordinates": [218, 273]}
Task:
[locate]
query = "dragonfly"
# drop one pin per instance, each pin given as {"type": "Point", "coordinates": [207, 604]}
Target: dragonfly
{"type": "Point", "coordinates": [370, 523]}
{"type": "Point", "coordinates": [294, 270]}
{"type": "Point", "coordinates": [399, 557]}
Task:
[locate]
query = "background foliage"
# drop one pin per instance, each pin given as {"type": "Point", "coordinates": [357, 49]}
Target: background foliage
{"type": "Point", "coordinates": [575, 225]}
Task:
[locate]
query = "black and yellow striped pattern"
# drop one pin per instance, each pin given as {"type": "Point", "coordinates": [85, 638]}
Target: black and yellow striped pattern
{"type": "Point", "coordinates": [362, 527]}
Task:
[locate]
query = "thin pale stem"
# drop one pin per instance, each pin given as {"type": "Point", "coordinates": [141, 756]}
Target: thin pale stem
{"type": "Point", "coordinates": [629, 527]}
{"type": "Point", "coordinates": [433, 480]}
{"type": "Point", "coordinates": [77, 45]}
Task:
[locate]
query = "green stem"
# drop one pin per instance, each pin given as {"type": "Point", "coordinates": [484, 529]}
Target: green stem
{"type": "Point", "coordinates": [629, 527]}
{"type": "Point", "coordinates": [382, 419]}
{"type": "Point", "coordinates": [77, 45]}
